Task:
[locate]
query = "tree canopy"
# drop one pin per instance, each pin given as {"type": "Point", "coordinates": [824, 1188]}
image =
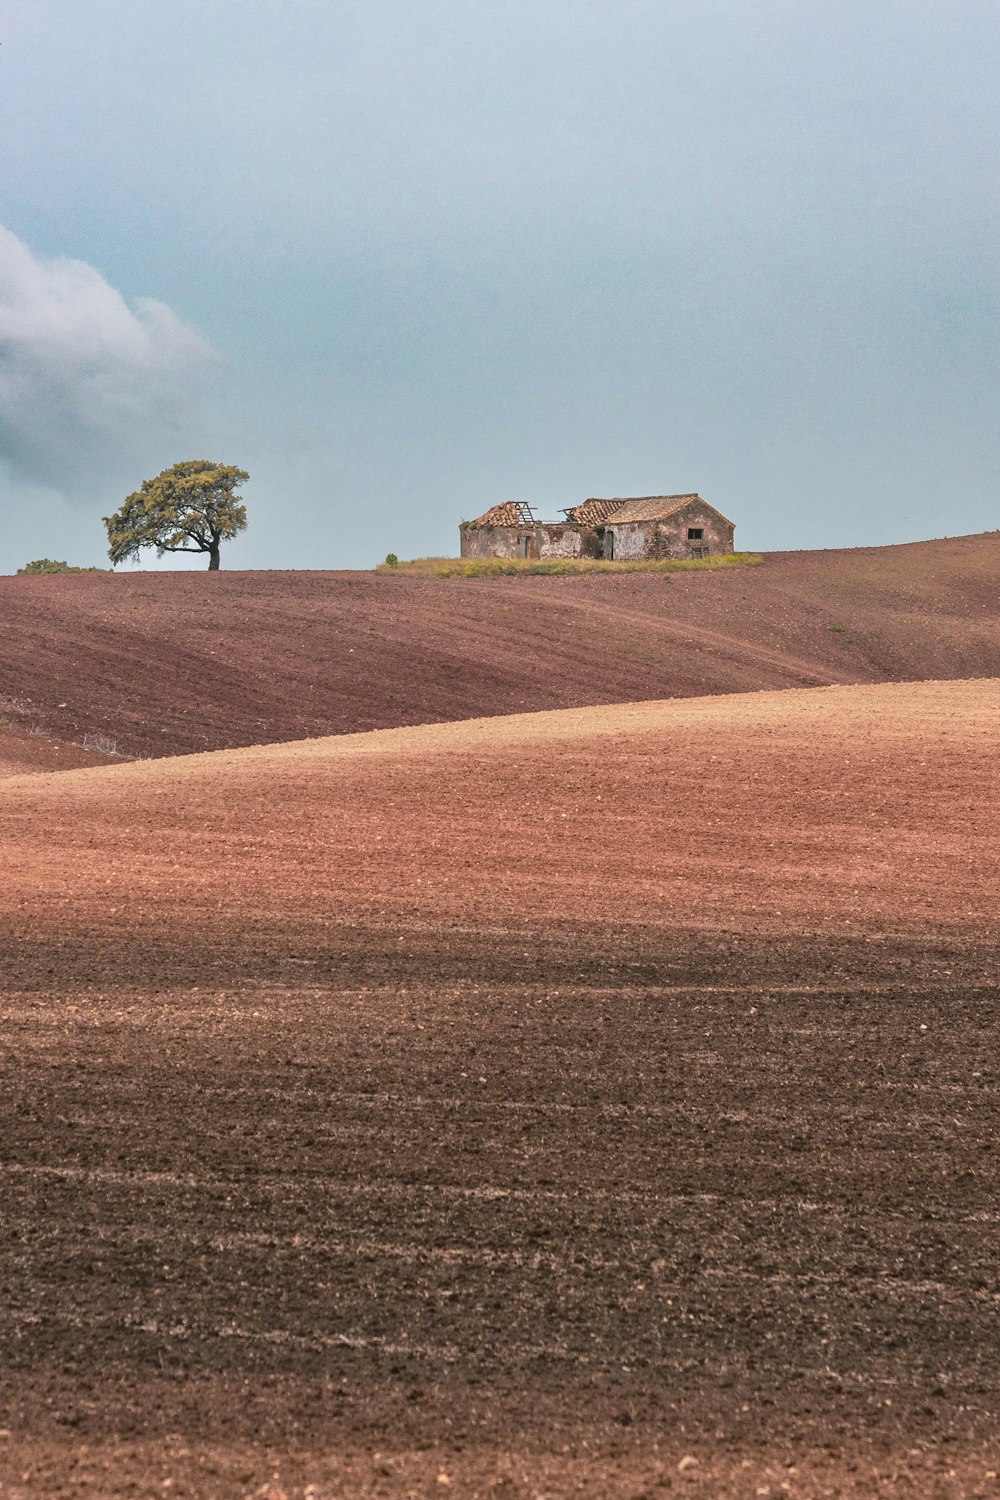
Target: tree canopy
{"type": "Point", "coordinates": [191, 507]}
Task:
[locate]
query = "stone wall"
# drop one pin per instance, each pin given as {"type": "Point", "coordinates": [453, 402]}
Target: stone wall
{"type": "Point", "coordinates": [558, 539]}
{"type": "Point", "coordinates": [633, 541]}
{"type": "Point", "coordinates": [717, 533]}
{"type": "Point", "coordinates": [488, 541]}
{"type": "Point", "coordinates": [544, 540]}
{"type": "Point", "coordinates": [639, 541]}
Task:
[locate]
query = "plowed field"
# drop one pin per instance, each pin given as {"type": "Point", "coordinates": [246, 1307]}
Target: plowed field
{"type": "Point", "coordinates": [22, 753]}
{"type": "Point", "coordinates": [599, 1102]}
{"type": "Point", "coordinates": [168, 663]}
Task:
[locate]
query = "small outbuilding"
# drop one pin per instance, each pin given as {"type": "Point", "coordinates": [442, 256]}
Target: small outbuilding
{"type": "Point", "coordinates": [647, 528]}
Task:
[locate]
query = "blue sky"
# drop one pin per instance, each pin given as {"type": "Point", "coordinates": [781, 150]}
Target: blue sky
{"type": "Point", "coordinates": [402, 261]}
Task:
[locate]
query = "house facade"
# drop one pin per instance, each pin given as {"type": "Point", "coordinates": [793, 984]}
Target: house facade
{"type": "Point", "coordinates": [512, 530]}
{"type": "Point", "coordinates": [648, 528]}
{"type": "Point", "coordinates": [681, 527]}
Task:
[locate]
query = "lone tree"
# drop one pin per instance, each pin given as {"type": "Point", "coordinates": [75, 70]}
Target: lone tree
{"type": "Point", "coordinates": [189, 508]}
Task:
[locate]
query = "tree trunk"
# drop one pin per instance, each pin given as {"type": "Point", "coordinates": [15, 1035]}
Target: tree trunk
{"type": "Point", "coordinates": [213, 557]}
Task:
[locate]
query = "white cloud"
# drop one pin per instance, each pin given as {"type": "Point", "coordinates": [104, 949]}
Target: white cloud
{"type": "Point", "coordinates": [92, 387]}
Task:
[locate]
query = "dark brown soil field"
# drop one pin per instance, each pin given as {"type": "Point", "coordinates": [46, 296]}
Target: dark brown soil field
{"type": "Point", "coordinates": [23, 752]}
{"type": "Point", "coordinates": [599, 1103]}
{"type": "Point", "coordinates": [166, 663]}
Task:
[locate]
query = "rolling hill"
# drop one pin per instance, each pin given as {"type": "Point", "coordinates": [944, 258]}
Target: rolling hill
{"type": "Point", "coordinates": [166, 663]}
{"type": "Point", "coordinates": [590, 1102]}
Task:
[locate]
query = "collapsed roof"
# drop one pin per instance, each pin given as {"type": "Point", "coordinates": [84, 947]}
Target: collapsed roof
{"type": "Point", "coordinates": [598, 512]}
{"type": "Point", "coordinates": [508, 513]}
{"type": "Point", "coordinates": [591, 512]}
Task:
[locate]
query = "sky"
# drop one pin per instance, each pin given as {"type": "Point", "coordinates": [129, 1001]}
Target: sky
{"type": "Point", "coordinates": [403, 261]}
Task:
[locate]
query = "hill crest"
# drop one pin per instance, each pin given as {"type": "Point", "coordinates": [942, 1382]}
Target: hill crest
{"type": "Point", "coordinates": [173, 663]}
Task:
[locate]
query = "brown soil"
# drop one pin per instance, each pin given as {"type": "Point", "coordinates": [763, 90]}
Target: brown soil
{"type": "Point", "coordinates": [169, 663]}
{"type": "Point", "coordinates": [594, 1103]}
{"type": "Point", "coordinates": [23, 753]}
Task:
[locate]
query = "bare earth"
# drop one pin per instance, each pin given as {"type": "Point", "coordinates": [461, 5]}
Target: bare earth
{"type": "Point", "coordinates": [167, 663]}
{"type": "Point", "coordinates": [22, 753]}
{"type": "Point", "coordinates": [599, 1102]}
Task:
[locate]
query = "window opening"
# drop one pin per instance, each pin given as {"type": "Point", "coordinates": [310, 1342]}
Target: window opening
{"type": "Point", "coordinates": [695, 533]}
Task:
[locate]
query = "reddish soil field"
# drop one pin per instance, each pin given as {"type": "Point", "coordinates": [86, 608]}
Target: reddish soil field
{"type": "Point", "coordinates": [590, 1103]}
{"type": "Point", "coordinates": [22, 753]}
{"type": "Point", "coordinates": [167, 663]}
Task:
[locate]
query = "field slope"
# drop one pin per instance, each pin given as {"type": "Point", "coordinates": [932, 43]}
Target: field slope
{"type": "Point", "coordinates": [23, 752]}
{"type": "Point", "coordinates": [591, 1102]}
{"type": "Point", "coordinates": [163, 663]}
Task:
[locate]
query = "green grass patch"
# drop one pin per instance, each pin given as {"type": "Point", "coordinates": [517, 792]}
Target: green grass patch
{"type": "Point", "coordinates": [561, 567]}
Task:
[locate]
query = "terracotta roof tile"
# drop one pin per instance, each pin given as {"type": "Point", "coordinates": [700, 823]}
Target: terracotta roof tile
{"type": "Point", "coordinates": [658, 508]}
{"type": "Point", "coordinates": [649, 507]}
{"type": "Point", "coordinates": [507, 513]}
{"type": "Point", "coordinates": [597, 512]}
{"type": "Point", "coordinates": [592, 512]}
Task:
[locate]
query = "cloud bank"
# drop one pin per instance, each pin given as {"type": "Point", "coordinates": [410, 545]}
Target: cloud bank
{"type": "Point", "coordinates": [91, 386]}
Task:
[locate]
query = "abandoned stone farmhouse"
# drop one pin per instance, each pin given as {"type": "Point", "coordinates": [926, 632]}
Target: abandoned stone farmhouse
{"type": "Point", "coordinates": [649, 528]}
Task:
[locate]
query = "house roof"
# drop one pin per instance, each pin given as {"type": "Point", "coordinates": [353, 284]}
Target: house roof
{"type": "Point", "coordinates": [595, 512]}
{"type": "Point", "coordinates": [508, 513]}
{"type": "Point", "coordinates": [591, 512]}
{"type": "Point", "coordinates": [654, 508]}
